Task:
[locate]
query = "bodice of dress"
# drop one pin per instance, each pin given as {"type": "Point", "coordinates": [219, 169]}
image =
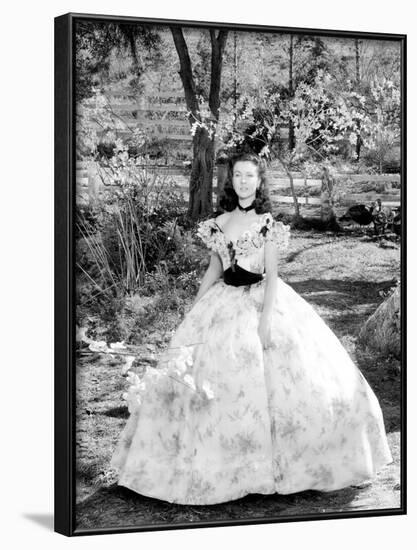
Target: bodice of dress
{"type": "Point", "coordinates": [247, 251]}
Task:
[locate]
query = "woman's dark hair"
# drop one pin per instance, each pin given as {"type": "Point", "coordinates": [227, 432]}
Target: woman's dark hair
{"type": "Point", "coordinates": [229, 199]}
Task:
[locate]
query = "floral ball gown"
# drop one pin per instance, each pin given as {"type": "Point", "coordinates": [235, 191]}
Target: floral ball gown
{"type": "Point", "coordinates": [222, 418]}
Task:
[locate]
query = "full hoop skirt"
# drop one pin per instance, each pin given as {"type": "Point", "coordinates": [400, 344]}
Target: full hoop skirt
{"type": "Point", "coordinates": [297, 416]}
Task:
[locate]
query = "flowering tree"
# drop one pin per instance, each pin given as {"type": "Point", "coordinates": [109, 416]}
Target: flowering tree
{"type": "Point", "coordinates": [321, 119]}
{"type": "Point", "coordinates": [382, 129]}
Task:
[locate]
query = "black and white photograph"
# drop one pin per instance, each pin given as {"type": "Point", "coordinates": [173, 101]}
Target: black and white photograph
{"type": "Point", "coordinates": [238, 272]}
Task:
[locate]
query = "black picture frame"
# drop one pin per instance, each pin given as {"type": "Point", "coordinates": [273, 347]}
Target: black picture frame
{"type": "Point", "coordinates": [65, 280]}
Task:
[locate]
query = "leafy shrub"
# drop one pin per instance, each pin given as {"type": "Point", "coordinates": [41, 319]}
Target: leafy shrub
{"type": "Point", "coordinates": [135, 227]}
{"type": "Point", "coordinates": [390, 163]}
{"type": "Point", "coordinates": [89, 216]}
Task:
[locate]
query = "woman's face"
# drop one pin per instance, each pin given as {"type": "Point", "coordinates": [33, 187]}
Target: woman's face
{"type": "Point", "coordinates": [246, 179]}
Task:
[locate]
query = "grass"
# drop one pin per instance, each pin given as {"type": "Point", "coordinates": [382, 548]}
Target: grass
{"type": "Point", "coordinates": [345, 278]}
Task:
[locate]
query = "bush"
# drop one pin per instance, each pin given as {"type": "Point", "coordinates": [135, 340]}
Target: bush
{"type": "Point", "coordinates": [391, 162]}
{"type": "Point", "coordinates": [138, 260]}
{"type": "Point", "coordinates": [301, 191]}
{"type": "Point", "coordinates": [134, 228]}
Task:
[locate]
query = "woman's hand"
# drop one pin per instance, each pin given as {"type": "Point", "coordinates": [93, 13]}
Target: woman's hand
{"type": "Point", "coordinates": [213, 273]}
{"type": "Point", "coordinates": [264, 331]}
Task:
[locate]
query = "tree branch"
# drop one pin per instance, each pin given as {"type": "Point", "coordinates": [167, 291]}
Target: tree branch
{"type": "Point", "coordinates": [218, 44]}
{"type": "Point", "coordinates": [132, 44]}
{"type": "Point", "coordinates": [186, 72]}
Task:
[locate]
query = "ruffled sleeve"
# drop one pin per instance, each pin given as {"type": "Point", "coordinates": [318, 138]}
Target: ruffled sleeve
{"type": "Point", "coordinates": [276, 231]}
{"type": "Point", "coordinates": [208, 232]}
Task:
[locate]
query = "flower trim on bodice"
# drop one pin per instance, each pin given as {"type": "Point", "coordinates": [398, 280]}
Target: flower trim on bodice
{"type": "Point", "coordinates": [263, 230]}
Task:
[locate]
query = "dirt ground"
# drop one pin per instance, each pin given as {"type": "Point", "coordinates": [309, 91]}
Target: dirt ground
{"type": "Point", "coordinates": [345, 277]}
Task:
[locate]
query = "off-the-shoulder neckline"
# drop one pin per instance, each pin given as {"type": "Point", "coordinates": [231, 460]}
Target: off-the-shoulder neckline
{"type": "Point", "coordinates": [256, 224]}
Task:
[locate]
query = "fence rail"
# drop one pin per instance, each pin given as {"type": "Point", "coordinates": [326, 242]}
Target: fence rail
{"type": "Point", "coordinates": [90, 185]}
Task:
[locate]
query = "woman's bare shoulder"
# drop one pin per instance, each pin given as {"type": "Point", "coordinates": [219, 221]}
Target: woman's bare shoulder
{"type": "Point", "coordinates": [223, 218]}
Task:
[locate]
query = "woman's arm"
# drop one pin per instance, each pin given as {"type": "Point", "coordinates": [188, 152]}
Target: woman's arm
{"type": "Point", "coordinates": [271, 273]}
{"type": "Point", "coordinates": [213, 273]}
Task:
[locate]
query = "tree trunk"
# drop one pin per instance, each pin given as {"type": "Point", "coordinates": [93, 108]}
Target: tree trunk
{"type": "Point", "coordinates": [293, 193]}
{"type": "Point", "coordinates": [306, 189]}
{"type": "Point", "coordinates": [327, 213]}
{"type": "Point", "coordinates": [382, 330]}
{"type": "Point", "coordinates": [358, 83]}
{"type": "Point", "coordinates": [234, 72]}
{"type": "Point", "coordinates": [358, 142]}
{"type": "Point", "coordinates": [200, 203]}
{"type": "Point", "coordinates": [201, 179]}
{"type": "Point", "coordinates": [291, 136]}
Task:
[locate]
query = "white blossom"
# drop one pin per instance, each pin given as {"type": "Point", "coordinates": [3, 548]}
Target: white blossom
{"type": "Point", "coordinates": [99, 347]}
{"type": "Point", "coordinates": [128, 363]}
{"type": "Point", "coordinates": [207, 390]}
{"type": "Point", "coordinates": [189, 380]}
{"type": "Point", "coordinates": [118, 345]}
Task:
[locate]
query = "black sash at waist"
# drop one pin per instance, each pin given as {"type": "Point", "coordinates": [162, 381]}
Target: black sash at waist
{"type": "Point", "coordinates": [240, 277]}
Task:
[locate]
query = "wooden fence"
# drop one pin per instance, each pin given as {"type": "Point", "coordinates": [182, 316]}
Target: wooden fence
{"type": "Point", "coordinates": [89, 185]}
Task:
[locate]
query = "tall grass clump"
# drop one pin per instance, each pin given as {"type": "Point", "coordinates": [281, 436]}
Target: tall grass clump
{"type": "Point", "coordinates": [130, 230]}
{"type": "Point", "coordinates": [130, 227]}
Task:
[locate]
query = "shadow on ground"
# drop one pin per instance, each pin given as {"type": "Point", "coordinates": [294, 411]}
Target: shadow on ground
{"type": "Point", "coordinates": [135, 510]}
{"type": "Point", "coordinates": [352, 291]}
{"type": "Point", "coordinates": [345, 304]}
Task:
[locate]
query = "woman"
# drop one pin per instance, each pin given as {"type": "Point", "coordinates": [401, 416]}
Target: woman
{"type": "Point", "coordinates": [256, 393]}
